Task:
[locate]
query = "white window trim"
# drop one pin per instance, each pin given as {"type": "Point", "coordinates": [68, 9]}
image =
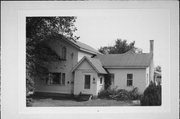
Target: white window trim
{"type": "Point", "coordinates": [51, 84]}
{"type": "Point", "coordinates": [129, 79]}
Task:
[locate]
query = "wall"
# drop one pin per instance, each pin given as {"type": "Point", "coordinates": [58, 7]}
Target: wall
{"type": "Point", "coordinates": [151, 70]}
{"type": "Point", "coordinates": [83, 69]}
{"type": "Point", "coordinates": [120, 78]}
{"type": "Point", "coordinates": [82, 54]}
{"type": "Point", "coordinates": [60, 66]}
{"type": "Point", "coordinates": [147, 77]}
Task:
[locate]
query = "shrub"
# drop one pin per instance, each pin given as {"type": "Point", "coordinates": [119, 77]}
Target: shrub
{"type": "Point", "coordinates": [151, 95]}
{"type": "Point", "coordinates": [29, 89]}
{"type": "Point", "coordinates": [105, 94]}
{"type": "Point", "coordinates": [28, 102]}
{"type": "Point", "coordinates": [120, 94]}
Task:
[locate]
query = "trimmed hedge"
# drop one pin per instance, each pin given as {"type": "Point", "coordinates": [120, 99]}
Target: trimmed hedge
{"type": "Point", "coordinates": [151, 95]}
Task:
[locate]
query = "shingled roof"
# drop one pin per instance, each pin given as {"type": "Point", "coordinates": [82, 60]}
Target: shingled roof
{"type": "Point", "coordinates": [94, 62]}
{"type": "Point", "coordinates": [77, 44]}
{"type": "Point", "coordinates": [85, 47]}
{"type": "Point", "coordinates": [125, 60]}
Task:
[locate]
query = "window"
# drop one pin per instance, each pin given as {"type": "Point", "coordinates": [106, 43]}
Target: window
{"type": "Point", "coordinates": [129, 79]}
{"type": "Point", "coordinates": [101, 80]}
{"type": "Point", "coordinates": [63, 78]}
{"type": "Point", "coordinates": [87, 81]}
{"type": "Point", "coordinates": [112, 79]}
{"type": "Point", "coordinates": [72, 55]}
{"type": "Point", "coordinates": [54, 78]}
{"type": "Point", "coordinates": [64, 53]}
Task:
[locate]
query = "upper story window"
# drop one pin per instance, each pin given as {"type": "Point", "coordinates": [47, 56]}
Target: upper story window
{"type": "Point", "coordinates": [64, 52]}
{"type": "Point", "coordinates": [129, 79]}
{"type": "Point", "coordinates": [101, 80]}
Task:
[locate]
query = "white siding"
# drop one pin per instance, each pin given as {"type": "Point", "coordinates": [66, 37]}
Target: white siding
{"type": "Point", "coordinates": [147, 77]}
{"type": "Point", "coordinates": [60, 66]}
{"type": "Point", "coordinates": [100, 86]}
{"type": "Point", "coordinates": [120, 78]}
{"type": "Point", "coordinates": [80, 72]}
{"type": "Point", "coordinates": [82, 54]}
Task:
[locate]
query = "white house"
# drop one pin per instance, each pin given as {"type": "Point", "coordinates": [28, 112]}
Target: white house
{"type": "Point", "coordinates": [84, 70]}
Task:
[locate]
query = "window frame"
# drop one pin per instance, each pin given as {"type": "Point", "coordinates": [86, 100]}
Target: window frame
{"type": "Point", "coordinates": [101, 80]}
{"type": "Point", "coordinates": [63, 78]}
{"type": "Point", "coordinates": [89, 85]}
{"type": "Point", "coordinates": [51, 78]}
{"type": "Point", "coordinates": [64, 53]}
{"type": "Point", "coordinates": [130, 80]}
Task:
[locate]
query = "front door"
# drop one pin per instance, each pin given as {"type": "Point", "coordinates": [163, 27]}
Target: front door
{"type": "Point", "coordinates": [87, 81]}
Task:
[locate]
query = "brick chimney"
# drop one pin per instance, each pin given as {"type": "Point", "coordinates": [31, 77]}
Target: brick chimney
{"type": "Point", "coordinates": [152, 46]}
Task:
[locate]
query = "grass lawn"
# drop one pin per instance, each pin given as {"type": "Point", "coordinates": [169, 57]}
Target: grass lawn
{"type": "Point", "coordinates": [62, 101]}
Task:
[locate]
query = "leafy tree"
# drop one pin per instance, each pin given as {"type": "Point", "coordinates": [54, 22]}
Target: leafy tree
{"type": "Point", "coordinates": [38, 54]}
{"type": "Point", "coordinates": [121, 46]}
{"type": "Point", "coordinates": [158, 68]}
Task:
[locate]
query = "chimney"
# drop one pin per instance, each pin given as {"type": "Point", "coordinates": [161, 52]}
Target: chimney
{"type": "Point", "coordinates": [151, 46]}
{"type": "Point", "coordinates": [151, 68]}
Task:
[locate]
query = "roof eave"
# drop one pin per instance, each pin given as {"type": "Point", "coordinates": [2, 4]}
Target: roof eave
{"type": "Point", "coordinates": [88, 51]}
{"type": "Point", "coordinates": [126, 67]}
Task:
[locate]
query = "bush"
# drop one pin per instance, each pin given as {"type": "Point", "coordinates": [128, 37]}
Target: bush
{"type": "Point", "coordinates": [120, 94]}
{"type": "Point", "coordinates": [28, 102]}
{"type": "Point", "coordinates": [29, 89]}
{"type": "Point", "coordinates": [105, 94]}
{"type": "Point", "coordinates": [151, 95]}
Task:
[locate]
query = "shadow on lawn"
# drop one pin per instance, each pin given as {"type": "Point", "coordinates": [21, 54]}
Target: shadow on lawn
{"type": "Point", "coordinates": [66, 97]}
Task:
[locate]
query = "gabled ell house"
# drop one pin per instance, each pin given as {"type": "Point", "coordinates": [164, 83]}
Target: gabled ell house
{"type": "Point", "coordinates": [82, 69]}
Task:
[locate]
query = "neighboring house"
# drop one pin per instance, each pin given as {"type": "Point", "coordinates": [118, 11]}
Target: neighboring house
{"type": "Point", "coordinates": [84, 70]}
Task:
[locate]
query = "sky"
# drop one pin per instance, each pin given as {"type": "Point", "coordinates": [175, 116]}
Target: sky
{"type": "Point", "coordinates": [101, 28]}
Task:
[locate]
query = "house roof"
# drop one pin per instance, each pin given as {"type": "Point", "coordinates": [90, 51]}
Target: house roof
{"type": "Point", "coordinates": [94, 62]}
{"type": "Point", "coordinates": [86, 48]}
{"type": "Point", "coordinates": [79, 45]}
{"type": "Point", "coordinates": [125, 60]}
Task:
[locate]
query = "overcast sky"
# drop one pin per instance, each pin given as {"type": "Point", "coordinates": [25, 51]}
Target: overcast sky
{"type": "Point", "coordinates": [102, 28]}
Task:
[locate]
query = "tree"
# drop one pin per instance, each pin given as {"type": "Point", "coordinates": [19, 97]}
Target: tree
{"type": "Point", "coordinates": [38, 54]}
{"type": "Point", "coordinates": [151, 95]}
{"type": "Point", "coordinates": [121, 46]}
{"type": "Point", "coordinates": [158, 68]}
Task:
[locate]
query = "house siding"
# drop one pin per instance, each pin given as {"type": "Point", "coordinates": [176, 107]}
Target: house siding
{"type": "Point", "coordinates": [85, 69]}
{"type": "Point", "coordinates": [100, 86]}
{"type": "Point", "coordinates": [82, 54]}
{"type": "Point", "coordinates": [65, 66]}
{"type": "Point", "coordinates": [120, 78]}
{"type": "Point", "coordinates": [147, 76]}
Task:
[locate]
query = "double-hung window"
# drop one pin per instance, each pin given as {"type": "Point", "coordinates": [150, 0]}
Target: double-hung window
{"type": "Point", "coordinates": [57, 78]}
{"type": "Point", "coordinates": [129, 79]}
{"type": "Point", "coordinates": [64, 51]}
